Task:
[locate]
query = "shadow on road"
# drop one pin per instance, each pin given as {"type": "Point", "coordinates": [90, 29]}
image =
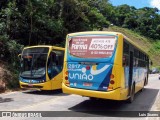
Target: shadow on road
{"type": "Point", "coordinates": [45, 92]}
{"type": "Point", "coordinates": [143, 102]}
{"type": "Point", "coordinates": [2, 100]}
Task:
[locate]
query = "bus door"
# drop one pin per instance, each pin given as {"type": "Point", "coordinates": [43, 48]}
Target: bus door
{"type": "Point", "coordinates": [130, 72]}
{"type": "Point", "coordinates": [55, 65]}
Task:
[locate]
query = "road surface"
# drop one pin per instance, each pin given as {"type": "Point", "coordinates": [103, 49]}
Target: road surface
{"type": "Point", "coordinates": [81, 107]}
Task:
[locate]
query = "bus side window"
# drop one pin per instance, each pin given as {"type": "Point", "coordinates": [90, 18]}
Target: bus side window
{"type": "Point", "coordinates": [125, 60]}
{"type": "Point", "coordinates": [125, 54]}
{"type": "Point", "coordinates": [59, 60]}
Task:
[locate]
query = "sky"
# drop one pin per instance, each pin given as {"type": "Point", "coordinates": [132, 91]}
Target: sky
{"type": "Point", "coordinates": [137, 3]}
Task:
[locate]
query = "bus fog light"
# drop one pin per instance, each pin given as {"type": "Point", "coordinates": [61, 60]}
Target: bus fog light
{"type": "Point", "coordinates": [67, 83]}
{"type": "Point", "coordinates": [110, 88]}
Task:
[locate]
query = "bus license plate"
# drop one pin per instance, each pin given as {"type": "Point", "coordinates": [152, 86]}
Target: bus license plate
{"type": "Point", "coordinates": [30, 85]}
{"type": "Point", "coordinates": [87, 84]}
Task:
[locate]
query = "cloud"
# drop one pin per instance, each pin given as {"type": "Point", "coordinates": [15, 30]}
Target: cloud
{"type": "Point", "coordinates": [155, 3]}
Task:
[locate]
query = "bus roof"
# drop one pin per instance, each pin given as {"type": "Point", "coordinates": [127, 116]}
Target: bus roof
{"type": "Point", "coordinates": [93, 32]}
{"type": "Point", "coordinates": [107, 32]}
{"type": "Point", "coordinates": [60, 48]}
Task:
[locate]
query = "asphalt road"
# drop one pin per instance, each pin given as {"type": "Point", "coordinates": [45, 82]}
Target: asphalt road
{"type": "Point", "coordinates": [82, 107]}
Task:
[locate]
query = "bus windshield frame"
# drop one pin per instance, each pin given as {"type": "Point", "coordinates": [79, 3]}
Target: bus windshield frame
{"type": "Point", "coordinates": [33, 62]}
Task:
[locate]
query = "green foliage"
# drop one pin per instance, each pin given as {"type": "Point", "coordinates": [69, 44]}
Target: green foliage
{"type": "Point", "coordinates": [145, 20]}
{"type": "Point", "coordinates": [156, 47]}
{"type": "Point", "coordinates": [34, 22]}
{"type": "Point", "coordinates": [147, 44]}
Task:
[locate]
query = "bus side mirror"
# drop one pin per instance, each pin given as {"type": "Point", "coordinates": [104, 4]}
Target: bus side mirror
{"type": "Point", "coordinates": [151, 63]}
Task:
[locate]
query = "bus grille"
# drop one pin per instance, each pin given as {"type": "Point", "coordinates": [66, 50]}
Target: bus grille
{"type": "Point", "coordinates": [34, 86]}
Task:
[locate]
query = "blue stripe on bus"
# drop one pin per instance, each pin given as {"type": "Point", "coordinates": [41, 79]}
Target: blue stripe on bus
{"type": "Point", "coordinates": [105, 83]}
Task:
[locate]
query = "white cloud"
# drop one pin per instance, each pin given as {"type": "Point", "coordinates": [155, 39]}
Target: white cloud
{"type": "Point", "coordinates": [155, 3]}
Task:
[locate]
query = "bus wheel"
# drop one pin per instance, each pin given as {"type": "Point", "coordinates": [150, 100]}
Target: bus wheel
{"type": "Point", "coordinates": [131, 98]}
{"type": "Point", "coordinates": [143, 86]}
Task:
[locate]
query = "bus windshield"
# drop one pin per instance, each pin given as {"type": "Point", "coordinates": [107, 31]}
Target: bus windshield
{"type": "Point", "coordinates": [92, 46]}
{"type": "Point", "coordinates": [33, 64]}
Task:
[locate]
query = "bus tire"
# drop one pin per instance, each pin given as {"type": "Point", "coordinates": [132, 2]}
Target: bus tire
{"type": "Point", "coordinates": [143, 85]}
{"type": "Point", "coordinates": [132, 93]}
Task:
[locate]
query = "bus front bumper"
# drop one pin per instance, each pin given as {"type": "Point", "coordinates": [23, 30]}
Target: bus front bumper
{"type": "Point", "coordinates": [31, 86]}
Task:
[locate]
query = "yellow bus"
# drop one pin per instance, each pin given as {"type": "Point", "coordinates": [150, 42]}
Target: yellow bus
{"type": "Point", "coordinates": [101, 64]}
{"type": "Point", "coordinates": [41, 67]}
